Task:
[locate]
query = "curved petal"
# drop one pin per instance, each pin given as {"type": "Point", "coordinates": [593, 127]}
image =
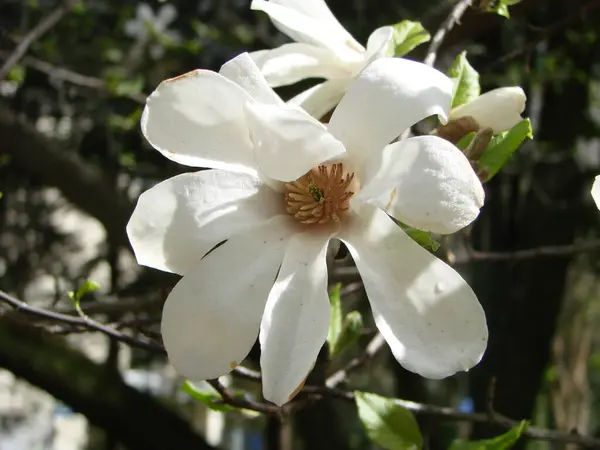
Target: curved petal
{"type": "Point", "coordinates": [321, 98]}
{"type": "Point", "coordinates": [318, 10]}
{"type": "Point", "coordinates": [596, 191]}
{"type": "Point", "coordinates": [499, 109]}
{"type": "Point", "coordinates": [291, 63]}
{"type": "Point", "coordinates": [244, 72]}
{"type": "Point", "coordinates": [144, 12]}
{"type": "Point", "coordinates": [296, 318]}
{"type": "Point", "coordinates": [310, 30]}
{"type": "Point", "coordinates": [178, 221]}
{"type": "Point", "coordinates": [425, 182]}
{"type": "Point", "coordinates": [212, 316]}
{"type": "Point", "coordinates": [198, 120]}
{"type": "Point", "coordinates": [380, 43]}
{"type": "Point", "coordinates": [388, 96]}
{"type": "Point", "coordinates": [426, 312]}
{"type": "Point", "coordinates": [288, 142]}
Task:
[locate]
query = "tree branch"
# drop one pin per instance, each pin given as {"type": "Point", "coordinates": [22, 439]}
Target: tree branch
{"type": "Point", "coordinates": [42, 27]}
{"type": "Point", "coordinates": [447, 25]}
{"type": "Point", "coordinates": [81, 321]}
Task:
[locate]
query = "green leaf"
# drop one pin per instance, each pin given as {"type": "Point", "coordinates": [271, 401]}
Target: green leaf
{"type": "Point", "coordinates": [335, 322]}
{"type": "Point", "coordinates": [85, 288]}
{"type": "Point", "coordinates": [503, 146]}
{"type": "Point", "coordinates": [209, 398]}
{"type": "Point", "coordinates": [388, 425]}
{"type": "Point", "coordinates": [465, 79]}
{"type": "Point", "coordinates": [351, 331]}
{"type": "Point", "coordinates": [499, 7]}
{"type": "Point", "coordinates": [502, 442]}
{"type": "Point", "coordinates": [407, 36]}
{"type": "Point", "coordinates": [423, 238]}
{"type": "Point", "coordinates": [16, 74]}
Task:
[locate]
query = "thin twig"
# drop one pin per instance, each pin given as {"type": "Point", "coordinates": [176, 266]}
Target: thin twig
{"type": "Point", "coordinates": [372, 349]}
{"type": "Point", "coordinates": [447, 25]}
{"type": "Point", "coordinates": [25, 308]}
{"type": "Point", "coordinates": [554, 251]}
{"type": "Point", "coordinates": [42, 27]}
{"type": "Point", "coordinates": [451, 414]}
{"type": "Point", "coordinates": [242, 402]}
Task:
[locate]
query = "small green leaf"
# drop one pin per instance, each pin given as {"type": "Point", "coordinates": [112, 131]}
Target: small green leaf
{"type": "Point", "coordinates": [465, 79]}
{"type": "Point", "coordinates": [499, 7]}
{"type": "Point", "coordinates": [502, 442]}
{"type": "Point", "coordinates": [423, 238]}
{"type": "Point", "coordinates": [209, 398]}
{"type": "Point", "coordinates": [503, 146]}
{"type": "Point", "coordinates": [351, 331]}
{"type": "Point", "coordinates": [335, 322]}
{"type": "Point", "coordinates": [16, 74]}
{"type": "Point", "coordinates": [85, 288]}
{"type": "Point", "coordinates": [1, 194]}
{"type": "Point", "coordinates": [407, 36]}
{"type": "Point", "coordinates": [388, 425]}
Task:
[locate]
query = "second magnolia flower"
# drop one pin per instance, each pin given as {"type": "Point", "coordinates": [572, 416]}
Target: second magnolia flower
{"type": "Point", "coordinates": [283, 185]}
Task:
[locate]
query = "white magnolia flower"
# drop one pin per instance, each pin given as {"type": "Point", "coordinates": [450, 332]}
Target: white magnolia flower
{"type": "Point", "coordinates": [596, 191]}
{"type": "Point", "coordinates": [282, 185]}
{"type": "Point", "coordinates": [323, 49]}
{"type": "Point", "coordinates": [146, 20]}
{"type": "Point", "coordinates": [499, 109]}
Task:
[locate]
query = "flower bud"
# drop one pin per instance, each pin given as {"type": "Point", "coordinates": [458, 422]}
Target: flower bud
{"type": "Point", "coordinates": [499, 109]}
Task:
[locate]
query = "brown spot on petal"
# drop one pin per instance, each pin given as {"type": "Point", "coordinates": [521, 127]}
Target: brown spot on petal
{"type": "Point", "coordinates": [183, 75]}
{"type": "Point", "coordinates": [297, 391]}
{"type": "Point", "coordinates": [233, 364]}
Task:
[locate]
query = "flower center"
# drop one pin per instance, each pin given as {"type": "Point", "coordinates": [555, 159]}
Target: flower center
{"type": "Point", "coordinates": [321, 195]}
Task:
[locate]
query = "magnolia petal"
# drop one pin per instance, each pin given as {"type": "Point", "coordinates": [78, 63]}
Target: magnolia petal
{"type": "Point", "coordinates": [288, 142]}
{"type": "Point", "coordinates": [425, 182]}
{"type": "Point", "coordinates": [388, 96]}
{"type": "Point", "coordinates": [178, 221]}
{"type": "Point", "coordinates": [499, 109]}
{"type": "Point", "coordinates": [300, 27]}
{"type": "Point", "coordinates": [321, 98]}
{"type": "Point", "coordinates": [318, 10]}
{"type": "Point", "coordinates": [380, 43]}
{"type": "Point", "coordinates": [291, 63]}
{"type": "Point", "coordinates": [596, 191]}
{"type": "Point", "coordinates": [184, 121]}
{"type": "Point", "coordinates": [212, 316]}
{"type": "Point", "coordinates": [296, 318]}
{"type": "Point", "coordinates": [426, 312]}
{"type": "Point", "coordinates": [243, 71]}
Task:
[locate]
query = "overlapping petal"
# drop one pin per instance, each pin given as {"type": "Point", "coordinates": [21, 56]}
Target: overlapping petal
{"type": "Point", "coordinates": [425, 182]}
{"type": "Point", "coordinates": [243, 71]}
{"type": "Point", "coordinates": [288, 142]}
{"type": "Point", "coordinates": [296, 317]}
{"type": "Point", "coordinates": [596, 191]}
{"type": "Point", "coordinates": [387, 97]}
{"type": "Point", "coordinates": [321, 98]}
{"type": "Point", "coordinates": [380, 43]}
{"type": "Point", "coordinates": [179, 220]}
{"type": "Point", "coordinates": [307, 29]}
{"type": "Point", "coordinates": [427, 313]}
{"type": "Point", "coordinates": [184, 122]}
{"type": "Point", "coordinates": [212, 317]}
{"type": "Point", "coordinates": [499, 109]}
{"type": "Point", "coordinates": [291, 63]}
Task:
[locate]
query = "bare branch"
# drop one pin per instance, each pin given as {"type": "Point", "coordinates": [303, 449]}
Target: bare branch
{"type": "Point", "coordinates": [549, 251]}
{"type": "Point", "coordinates": [84, 321]}
{"type": "Point", "coordinates": [447, 25]}
{"type": "Point", "coordinates": [42, 27]}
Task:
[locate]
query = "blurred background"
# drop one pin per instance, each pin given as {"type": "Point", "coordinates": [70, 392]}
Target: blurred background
{"type": "Point", "coordinates": [73, 162]}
